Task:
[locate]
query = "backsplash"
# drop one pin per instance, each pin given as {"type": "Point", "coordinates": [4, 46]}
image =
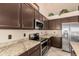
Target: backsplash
{"type": "Point", "coordinates": [19, 34]}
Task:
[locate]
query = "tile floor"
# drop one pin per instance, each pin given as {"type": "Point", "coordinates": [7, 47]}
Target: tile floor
{"type": "Point", "coordinates": [56, 52]}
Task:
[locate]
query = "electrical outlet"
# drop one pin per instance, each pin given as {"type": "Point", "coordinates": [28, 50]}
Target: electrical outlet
{"type": "Point", "coordinates": [24, 34]}
{"type": "Point", "coordinates": [9, 36]}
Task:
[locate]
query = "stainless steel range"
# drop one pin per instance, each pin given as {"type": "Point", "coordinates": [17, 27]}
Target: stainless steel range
{"type": "Point", "coordinates": [44, 45]}
{"type": "Point", "coordinates": [43, 41]}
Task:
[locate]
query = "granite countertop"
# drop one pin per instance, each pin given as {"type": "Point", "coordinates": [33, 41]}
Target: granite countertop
{"type": "Point", "coordinates": [17, 47]}
{"type": "Point", "coordinates": [75, 46]}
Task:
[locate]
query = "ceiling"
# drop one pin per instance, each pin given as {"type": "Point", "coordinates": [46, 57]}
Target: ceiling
{"type": "Point", "coordinates": [46, 8]}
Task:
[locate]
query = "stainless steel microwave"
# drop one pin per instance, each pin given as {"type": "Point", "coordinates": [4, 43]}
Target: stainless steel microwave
{"type": "Point", "coordinates": [38, 24]}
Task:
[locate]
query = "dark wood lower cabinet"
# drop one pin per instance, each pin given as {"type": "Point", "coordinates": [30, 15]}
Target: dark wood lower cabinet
{"type": "Point", "coordinates": [56, 42]}
{"type": "Point", "coordinates": [35, 51]}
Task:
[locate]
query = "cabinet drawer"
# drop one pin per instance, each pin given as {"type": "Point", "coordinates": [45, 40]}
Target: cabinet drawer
{"type": "Point", "coordinates": [36, 53]}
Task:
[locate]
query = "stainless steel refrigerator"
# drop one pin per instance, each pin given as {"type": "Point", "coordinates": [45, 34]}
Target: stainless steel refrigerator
{"type": "Point", "coordinates": [70, 32]}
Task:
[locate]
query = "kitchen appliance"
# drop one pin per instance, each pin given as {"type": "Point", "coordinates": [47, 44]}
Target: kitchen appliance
{"type": "Point", "coordinates": [70, 32]}
{"type": "Point", "coordinates": [34, 36]}
{"type": "Point", "coordinates": [43, 41]}
{"type": "Point", "coordinates": [38, 24]}
{"type": "Point", "coordinates": [44, 46]}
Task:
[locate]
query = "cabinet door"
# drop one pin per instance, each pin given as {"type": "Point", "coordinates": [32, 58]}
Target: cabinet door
{"type": "Point", "coordinates": [55, 24]}
{"type": "Point", "coordinates": [37, 15]}
{"type": "Point", "coordinates": [70, 19]}
{"type": "Point", "coordinates": [58, 24]}
{"type": "Point", "coordinates": [51, 25]}
{"type": "Point", "coordinates": [27, 16]}
{"type": "Point", "coordinates": [73, 19]}
{"type": "Point", "coordinates": [56, 42]}
{"type": "Point", "coordinates": [64, 20]}
{"type": "Point", "coordinates": [45, 23]}
{"type": "Point", "coordinates": [9, 15]}
{"type": "Point", "coordinates": [41, 16]}
{"type": "Point", "coordinates": [35, 51]}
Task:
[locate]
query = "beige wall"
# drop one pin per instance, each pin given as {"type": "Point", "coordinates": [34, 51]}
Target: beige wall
{"type": "Point", "coordinates": [46, 8]}
{"type": "Point", "coordinates": [18, 34]}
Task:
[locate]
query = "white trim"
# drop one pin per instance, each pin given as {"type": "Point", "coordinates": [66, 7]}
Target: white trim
{"type": "Point", "coordinates": [70, 14]}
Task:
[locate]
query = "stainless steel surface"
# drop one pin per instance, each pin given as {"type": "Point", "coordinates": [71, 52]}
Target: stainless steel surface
{"type": "Point", "coordinates": [43, 41]}
{"type": "Point", "coordinates": [38, 24]}
{"type": "Point", "coordinates": [65, 37]}
{"type": "Point", "coordinates": [44, 46]}
{"type": "Point", "coordinates": [70, 32]}
{"type": "Point", "coordinates": [75, 32]}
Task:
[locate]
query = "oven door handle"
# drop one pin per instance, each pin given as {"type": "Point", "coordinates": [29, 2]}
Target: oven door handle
{"type": "Point", "coordinates": [44, 41]}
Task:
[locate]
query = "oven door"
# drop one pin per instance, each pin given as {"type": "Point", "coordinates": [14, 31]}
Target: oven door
{"type": "Point", "coordinates": [44, 47]}
{"type": "Point", "coordinates": [44, 44]}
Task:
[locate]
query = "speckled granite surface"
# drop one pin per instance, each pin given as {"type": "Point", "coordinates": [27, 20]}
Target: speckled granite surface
{"type": "Point", "coordinates": [17, 47]}
{"type": "Point", "coordinates": [75, 46]}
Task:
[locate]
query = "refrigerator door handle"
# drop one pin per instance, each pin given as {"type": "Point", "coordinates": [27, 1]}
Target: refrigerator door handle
{"type": "Point", "coordinates": [65, 35]}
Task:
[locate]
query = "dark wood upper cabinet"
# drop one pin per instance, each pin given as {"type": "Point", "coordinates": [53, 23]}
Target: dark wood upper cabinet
{"type": "Point", "coordinates": [55, 24]}
{"type": "Point", "coordinates": [27, 16]}
{"type": "Point", "coordinates": [51, 24]}
{"type": "Point", "coordinates": [58, 24]}
{"type": "Point", "coordinates": [45, 23]}
{"type": "Point", "coordinates": [70, 19]}
{"type": "Point", "coordinates": [37, 15]}
{"type": "Point", "coordinates": [41, 16]}
{"type": "Point", "coordinates": [9, 15]}
{"type": "Point", "coordinates": [16, 15]}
